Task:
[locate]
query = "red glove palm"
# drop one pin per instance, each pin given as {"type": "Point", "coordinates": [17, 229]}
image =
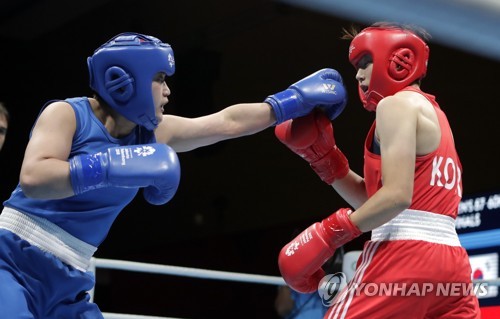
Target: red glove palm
{"type": "Point", "coordinates": [311, 137]}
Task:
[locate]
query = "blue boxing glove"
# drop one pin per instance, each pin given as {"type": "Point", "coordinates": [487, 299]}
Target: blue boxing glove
{"type": "Point", "coordinates": [163, 190]}
{"type": "Point", "coordinates": [323, 89]}
{"type": "Point", "coordinates": [154, 166]}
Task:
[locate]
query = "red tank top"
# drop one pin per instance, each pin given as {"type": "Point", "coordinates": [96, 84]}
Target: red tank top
{"type": "Point", "coordinates": [438, 175]}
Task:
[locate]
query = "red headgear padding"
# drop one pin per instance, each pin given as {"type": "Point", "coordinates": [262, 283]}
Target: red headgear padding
{"type": "Point", "coordinates": [399, 59]}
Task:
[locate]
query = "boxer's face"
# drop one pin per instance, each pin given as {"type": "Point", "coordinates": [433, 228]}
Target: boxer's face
{"type": "Point", "coordinates": [364, 74]}
{"type": "Point", "coordinates": [160, 94]}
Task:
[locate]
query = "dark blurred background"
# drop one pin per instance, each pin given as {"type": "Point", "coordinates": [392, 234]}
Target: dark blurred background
{"type": "Point", "coordinates": [239, 201]}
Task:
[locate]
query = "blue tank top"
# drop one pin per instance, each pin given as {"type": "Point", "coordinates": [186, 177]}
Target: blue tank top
{"type": "Point", "coordinates": [87, 216]}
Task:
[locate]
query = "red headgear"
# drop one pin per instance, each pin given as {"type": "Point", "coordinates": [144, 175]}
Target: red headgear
{"type": "Point", "coordinates": [399, 59]}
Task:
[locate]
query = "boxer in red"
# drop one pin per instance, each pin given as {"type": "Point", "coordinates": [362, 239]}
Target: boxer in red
{"type": "Point", "coordinates": [408, 195]}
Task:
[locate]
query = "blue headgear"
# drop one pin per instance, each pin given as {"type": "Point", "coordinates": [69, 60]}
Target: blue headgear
{"type": "Point", "coordinates": [121, 72]}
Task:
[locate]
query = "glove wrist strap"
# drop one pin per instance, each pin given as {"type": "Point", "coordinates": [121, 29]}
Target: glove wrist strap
{"type": "Point", "coordinates": [339, 229]}
{"type": "Point", "coordinates": [332, 166]}
{"type": "Point", "coordinates": [86, 173]}
{"type": "Point", "coordinates": [284, 104]}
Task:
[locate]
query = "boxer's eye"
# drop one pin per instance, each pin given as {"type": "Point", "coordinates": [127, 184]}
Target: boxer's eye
{"type": "Point", "coordinates": [159, 77]}
{"type": "Point", "coordinates": [364, 61]}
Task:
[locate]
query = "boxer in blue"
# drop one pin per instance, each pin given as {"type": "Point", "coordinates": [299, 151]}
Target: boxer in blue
{"type": "Point", "coordinates": [88, 157]}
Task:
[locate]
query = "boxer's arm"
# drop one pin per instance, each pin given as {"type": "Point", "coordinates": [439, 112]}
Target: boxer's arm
{"type": "Point", "coordinates": [397, 130]}
{"type": "Point", "coordinates": [184, 134]}
{"type": "Point", "coordinates": [352, 189]}
{"type": "Point", "coordinates": [45, 168]}
{"type": "Point", "coordinates": [323, 89]}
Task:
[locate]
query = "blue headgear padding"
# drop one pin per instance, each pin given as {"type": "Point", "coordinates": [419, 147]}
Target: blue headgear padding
{"type": "Point", "coordinates": [122, 70]}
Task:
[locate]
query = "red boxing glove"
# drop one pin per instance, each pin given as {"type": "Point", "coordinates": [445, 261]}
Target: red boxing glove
{"type": "Point", "coordinates": [311, 137]}
{"type": "Point", "coordinates": [300, 260]}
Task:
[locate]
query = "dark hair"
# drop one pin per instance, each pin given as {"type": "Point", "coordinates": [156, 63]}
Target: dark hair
{"type": "Point", "coordinates": [4, 111]}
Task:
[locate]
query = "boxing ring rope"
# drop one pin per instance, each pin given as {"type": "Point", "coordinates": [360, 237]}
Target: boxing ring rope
{"type": "Point", "coordinates": [185, 271]}
{"type": "Point", "coordinates": [196, 273]}
{"type": "Point", "coordinates": [176, 271]}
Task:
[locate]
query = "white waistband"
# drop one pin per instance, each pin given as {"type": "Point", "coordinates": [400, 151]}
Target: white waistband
{"type": "Point", "coordinates": [49, 237]}
{"type": "Point", "coordinates": [418, 225]}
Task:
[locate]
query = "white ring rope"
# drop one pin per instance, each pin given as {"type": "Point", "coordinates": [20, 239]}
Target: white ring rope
{"type": "Point", "coordinates": [186, 272]}
{"type": "Point", "coordinates": [208, 274]}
